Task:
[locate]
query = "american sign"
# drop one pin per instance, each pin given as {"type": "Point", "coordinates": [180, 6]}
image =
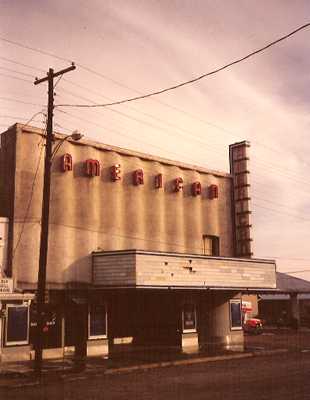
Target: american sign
{"type": "Point", "coordinates": [92, 169]}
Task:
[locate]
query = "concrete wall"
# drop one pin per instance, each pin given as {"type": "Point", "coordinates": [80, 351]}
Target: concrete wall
{"type": "Point", "coordinates": [87, 213]}
{"type": "Point", "coordinates": [7, 186]}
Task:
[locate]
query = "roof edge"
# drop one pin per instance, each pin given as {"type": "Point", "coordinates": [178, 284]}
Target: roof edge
{"type": "Point", "coordinates": [127, 152]}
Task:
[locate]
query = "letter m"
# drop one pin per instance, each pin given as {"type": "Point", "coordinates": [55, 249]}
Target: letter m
{"type": "Point", "coordinates": [92, 167]}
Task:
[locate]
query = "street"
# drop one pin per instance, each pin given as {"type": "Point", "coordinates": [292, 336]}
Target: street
{"type": "Point", "coordinates": [284, 376]}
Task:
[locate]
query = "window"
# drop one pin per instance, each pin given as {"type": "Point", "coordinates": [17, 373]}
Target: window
{"type": "Point", "coordinates": [189, 318]}
{"type": "Point", "coordinates": [97, 321]}
{"type": "Point", "coordinates": [235, 314]}
{"type": "Point", "coordinates": [17, 325]}
{"type": "Point", "coordinates": [211, 245]}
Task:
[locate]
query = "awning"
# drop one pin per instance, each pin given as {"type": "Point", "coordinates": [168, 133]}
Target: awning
{"type": "Point", "coordinates": [145, 269]}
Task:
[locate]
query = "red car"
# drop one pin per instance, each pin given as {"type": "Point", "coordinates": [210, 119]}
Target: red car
{"type": "Point", "coordinates": [254, 326]}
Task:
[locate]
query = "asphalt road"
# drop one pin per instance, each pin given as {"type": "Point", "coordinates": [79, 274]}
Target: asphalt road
{"type": "Point", "coordinates": [285, 376]}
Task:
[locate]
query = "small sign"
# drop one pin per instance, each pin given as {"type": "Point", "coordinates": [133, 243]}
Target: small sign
{"type": "Point", "coordinates": [246, 306]}
{"type": "Point", "coordinates": [6, 285]}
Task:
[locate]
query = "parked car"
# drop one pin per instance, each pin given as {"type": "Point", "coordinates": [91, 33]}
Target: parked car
{"type": "Point", "coordinates": [253, 326]}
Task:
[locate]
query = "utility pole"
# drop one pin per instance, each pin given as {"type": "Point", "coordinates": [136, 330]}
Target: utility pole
{"type": "Point", "coordinates": [45, 214]}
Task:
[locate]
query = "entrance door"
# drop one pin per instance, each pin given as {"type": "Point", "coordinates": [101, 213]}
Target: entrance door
{"type": "Point", "coordinates": [149, 317]}
{"type": "Point", "coordinates": [158, 319]}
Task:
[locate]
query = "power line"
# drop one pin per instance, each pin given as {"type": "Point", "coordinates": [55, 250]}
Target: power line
{"type": "Point", "coordinates": [281, 212]}
{"type": "Point", "coordinates": [160, 102]}
{"type": "Point", "coordinates": [20, 101]}
{"type": "Point", "coordinates": [186, 132]}
{"type": "Point", "coordinates": [21, 64]}
{"type": "Point", "coordinates": [173, 126]}
{"type": "Point", "coordinates": [183, 131]}
{"type": "Point", "coordinates": [31, 191]}
{"type": "Point", "coordinates": [292, 258]}
{"type": "Point", "coordinates": [34, 115]}
{"type": "Point", "coordinates": [215, 71]}
{"type": "Point", "coordinates": [220, 152]}
{"type": "Point", "coordinates": [119, 133]}
{"type": "Point", "coordinates": [21, 118]}
{"type": "Point", "coordinates": [91, 71]}
{"type": "Point", "coordinates": [16, 72]}
{"type": "Point", "coordinates": [36, 50]}
{"type": "Point", "coordinates": [58, 80]}
{"type": "Point", "coordinates": [297, 272]}
{"type": "Point", "coordinates": [29, 202]}
{"type": "Point", "coordinates": [15, 77]}
{"type": "Point", "coordinates": [158, 127]}
{"type": "Point", "coordinates": [275, 203]}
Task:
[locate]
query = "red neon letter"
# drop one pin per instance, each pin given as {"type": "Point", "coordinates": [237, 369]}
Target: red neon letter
{"type": "Point", "coordinates": [196, 188]}
{"type": "Point", "coordinates": [92, 168]}
{"type": "Point", "coordinates": [116, 172]}
{"type": "Point", "coordinates": [158, 181]}
{"type": "Point", "coordinates": [213, 192]}
{"type": "Point", "coordinates": [138, 177]}
{"type": "Point", "coordinates": [66, 162]}
{"type": "Point", "coordinates": [178, 184]}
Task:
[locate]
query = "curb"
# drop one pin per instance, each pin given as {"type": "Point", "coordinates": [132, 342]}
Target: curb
{"type": "Point", "coordinates": [142, 367]}
{"type": "Point", "coordinates": [176, 363]}
{"type": "Point", "coordinates": [269, 352]}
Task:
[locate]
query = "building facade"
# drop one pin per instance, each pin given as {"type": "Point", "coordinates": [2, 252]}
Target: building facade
{"type": "Point", "coordinates": [143, 251]}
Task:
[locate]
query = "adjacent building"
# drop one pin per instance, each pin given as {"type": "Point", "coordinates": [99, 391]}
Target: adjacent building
{"type": "Point", "coordinates": [289, 306]}
{"type": "Point", "coordinates": [143, 251]}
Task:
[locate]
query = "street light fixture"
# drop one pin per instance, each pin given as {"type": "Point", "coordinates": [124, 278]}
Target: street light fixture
{"type": "Point", "coordinates": [49, 156]}
{"type": "Point", "coordinates": [75, 135]}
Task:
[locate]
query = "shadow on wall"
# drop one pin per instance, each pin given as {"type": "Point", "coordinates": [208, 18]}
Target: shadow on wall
{"type": "Point", "coordinates": [79, 271]}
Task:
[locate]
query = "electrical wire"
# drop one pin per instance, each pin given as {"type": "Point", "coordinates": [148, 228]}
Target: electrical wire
{"type": "Point", "coordinates": [185, 132]}
{"type": "Point", "coordinates": [148, 143]}
{"type": "Point", "coordinates": [215, 71]}
{"type": "Point", "coordinates": [224, 130]}
{"type": "Point", "coordinates": [15, 77]}
{"type": "Point", "coordinates": [91, 122]}
{"type": "Point", "coordinates": [282, 205]}
{"type": "Point", "coordinates": [297, 272]}
{"type": "Point", "coordinates": [307, 220]}
{"type": "Point", "coordinates": [31, 194]}
{"type": "Point", "coordinates": [16, 72]}
{"type": "Point", "coordinates": [20, 101]}
{"type": "Point", "coordinates": [21, 64]}
{"type": "Point", "coordinates": [34, 115]}
{"type": "Point", "coordinates": [34, 49]}
{"type": "Point", "coordinates": [20, 118]}
{"type": "Point", "coordinates": [121, 133]}
{"type": "Point", "coordinates": [58, 80]}
{"type": "Point", "coordinates": [223, 67]}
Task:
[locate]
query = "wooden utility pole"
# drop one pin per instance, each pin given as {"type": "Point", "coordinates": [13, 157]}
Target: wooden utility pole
{"type": "Point", "coordinates": [45, 214]}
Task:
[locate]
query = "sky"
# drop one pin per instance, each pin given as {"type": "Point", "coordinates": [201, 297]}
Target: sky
{"type": "Point", "coordinates": [126, 48]}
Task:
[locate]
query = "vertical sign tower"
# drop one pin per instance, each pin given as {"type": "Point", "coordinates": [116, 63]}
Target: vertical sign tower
{"type": "Point", "coordinates": [239, 169]}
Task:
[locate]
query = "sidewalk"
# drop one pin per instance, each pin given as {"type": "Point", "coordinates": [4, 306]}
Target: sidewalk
{"type": "Point", "coordinates": [272, 341]}
{"type": "Point", "coordinates": [21, 374]}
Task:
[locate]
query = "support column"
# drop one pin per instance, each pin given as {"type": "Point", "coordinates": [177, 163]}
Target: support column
{"type": "Point", "coordinates": [220, 335]}
{"type": "Point", "coordinates": [294, 310]}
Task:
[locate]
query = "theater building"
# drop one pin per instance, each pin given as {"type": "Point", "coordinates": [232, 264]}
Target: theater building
{"type": "Point", "coordinates": [143, 252]}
